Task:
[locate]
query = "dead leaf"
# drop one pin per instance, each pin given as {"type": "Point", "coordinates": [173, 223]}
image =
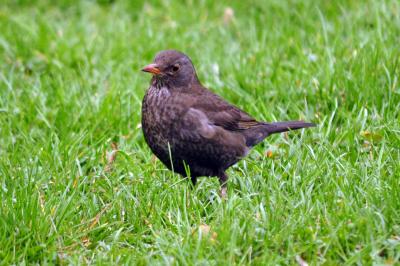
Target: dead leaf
{"type": "Point", "coordinates": [229, 15]}
{"type": "Point", "coordinates": [366, 144]}
{"type": "Point", "coordinates": [390, 261]}
{"type": "Point", "coordinates": [206, 231]}
{"type": "Point", "coordinates": [371, 136]}
{"type": "Point", "coordinates": [301, 261]}
{"type": "Point", "coordinates": [269, 154]}
{"type": "Point", "coordinates": [147, 222]}
{"type": "Point", "coordinates": [111, 156]}
{"type": "Point", "coordinates": [213, 237]}
{"type": "Point", "coordinates": [85, 241]}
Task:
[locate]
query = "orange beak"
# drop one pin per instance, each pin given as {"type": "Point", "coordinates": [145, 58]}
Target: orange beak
{"type": "Point", "coordinates": [152, 68]}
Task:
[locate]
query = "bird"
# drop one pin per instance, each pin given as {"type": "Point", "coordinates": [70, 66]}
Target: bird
{"type": "Point", "coordinates": [193, 131]}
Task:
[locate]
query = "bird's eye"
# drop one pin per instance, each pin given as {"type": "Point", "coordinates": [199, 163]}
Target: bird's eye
{"type": "Point", "coordinates": [175, 68]}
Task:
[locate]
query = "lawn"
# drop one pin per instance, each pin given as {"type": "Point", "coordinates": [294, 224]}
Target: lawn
{"type": "Point", "coordinates": [71, 91]}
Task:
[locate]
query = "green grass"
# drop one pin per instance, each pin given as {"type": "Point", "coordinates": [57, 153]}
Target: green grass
{"type": "Point", "coordinates": [70, 85]}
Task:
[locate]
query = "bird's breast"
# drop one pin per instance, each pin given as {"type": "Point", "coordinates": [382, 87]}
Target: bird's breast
{"type": "Point", "coordinates": [159, 106]}
{"type": "Point", "coordinates": [160, 115]}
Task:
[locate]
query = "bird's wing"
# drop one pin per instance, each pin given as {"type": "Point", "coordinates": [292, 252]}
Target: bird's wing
{"type": "Point", "coordinates": [216, 130]}
{"type": "Point", "coordinates": [221, 113]}
{"type": "Point", "coordinates": [212, 142]}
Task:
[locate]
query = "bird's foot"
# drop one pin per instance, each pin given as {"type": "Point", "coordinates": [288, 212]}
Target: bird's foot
{"type": "Point", "coordinates": [223, 179]}
{"type": "Point", "coordinates": [223, 193]}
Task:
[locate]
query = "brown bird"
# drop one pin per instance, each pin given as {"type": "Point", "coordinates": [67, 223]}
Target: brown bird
{"type": "Point", "coordinates": [192, 130]}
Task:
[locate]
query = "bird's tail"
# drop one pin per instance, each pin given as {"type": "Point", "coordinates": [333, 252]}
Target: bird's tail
{"type": "Point", "coordinates": [279, 127]}
{"type": "Point", "coordinates": [257, 134]}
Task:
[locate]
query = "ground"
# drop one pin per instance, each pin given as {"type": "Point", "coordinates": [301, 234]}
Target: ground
{"type": "Point", "coordinates": [71, 90]}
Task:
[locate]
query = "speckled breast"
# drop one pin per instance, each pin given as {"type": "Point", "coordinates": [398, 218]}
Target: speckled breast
{"type": "Point", "coordinates": [159, 117]}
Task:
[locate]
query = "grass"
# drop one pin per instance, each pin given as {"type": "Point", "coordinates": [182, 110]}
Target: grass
{"type": "Point", "coordinates": [70, 86]}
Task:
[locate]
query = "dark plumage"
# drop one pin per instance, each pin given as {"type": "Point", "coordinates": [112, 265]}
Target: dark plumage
{"type": "Point", "coordinates": [188, 125]}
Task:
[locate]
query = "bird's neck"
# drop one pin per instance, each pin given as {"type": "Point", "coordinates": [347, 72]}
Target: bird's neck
{"type": "Point", "coordinates": [160, 83]}
{"type": "Point", "coordinates": [157, 82]}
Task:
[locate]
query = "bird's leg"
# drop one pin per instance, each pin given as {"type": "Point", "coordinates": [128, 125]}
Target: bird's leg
{"type": "Point", "coordinates": [194, 181]}
{"type": "Point", "coordinates": [223, 180]}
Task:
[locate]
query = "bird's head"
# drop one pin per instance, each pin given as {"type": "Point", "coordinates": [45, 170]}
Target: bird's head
{"type": "Point", "coordinates": [173, 68]}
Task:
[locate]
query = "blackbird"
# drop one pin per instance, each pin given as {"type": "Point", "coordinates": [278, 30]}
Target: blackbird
{"type": "Point", "coordinates": [192, 130]}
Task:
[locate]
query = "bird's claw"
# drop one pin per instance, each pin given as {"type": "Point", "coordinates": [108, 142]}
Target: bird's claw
{"type": "Point", "coordinates": [223, 193]}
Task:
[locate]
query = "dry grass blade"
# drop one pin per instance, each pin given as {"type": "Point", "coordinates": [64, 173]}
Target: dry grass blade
{"type": "Point", "coordinates": [96, 219]}
{"type": "Point", "coordinates": [111, 156]}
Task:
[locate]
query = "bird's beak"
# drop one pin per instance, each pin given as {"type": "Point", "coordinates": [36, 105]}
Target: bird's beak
{"type": "Point", "coordinates": [152, 68]}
